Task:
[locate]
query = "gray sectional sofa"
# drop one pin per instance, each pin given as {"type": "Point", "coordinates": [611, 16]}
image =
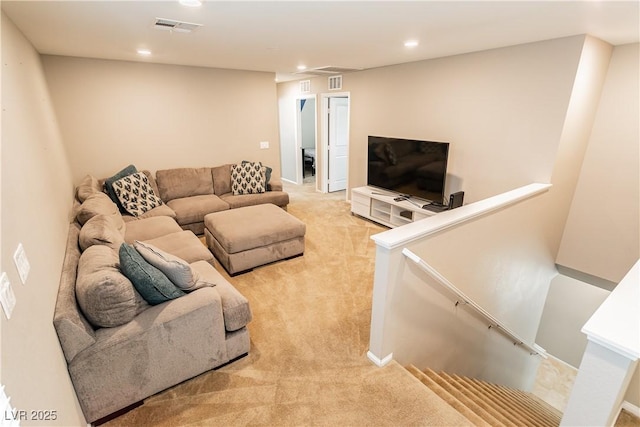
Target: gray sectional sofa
{"type": "Point", "coordinates": [119, 347]}
{"type": "Point", "coordinates": [195, 192]}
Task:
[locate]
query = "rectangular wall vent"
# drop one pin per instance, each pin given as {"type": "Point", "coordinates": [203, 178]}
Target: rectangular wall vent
{"type": "Point", "coordinates": [173, 25]}
{"type": "Point", "coordinates": [325, 71]}
{"type": "Point", "coordinates": [305, 86]}
{"type": "Point", "coordinates": [335, 82]}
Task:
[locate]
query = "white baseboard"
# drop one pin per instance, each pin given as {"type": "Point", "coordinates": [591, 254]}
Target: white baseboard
{"type": "Point", "coordinates": [630, 408]}
{"type": "Point", "coordinates": [379, 362]}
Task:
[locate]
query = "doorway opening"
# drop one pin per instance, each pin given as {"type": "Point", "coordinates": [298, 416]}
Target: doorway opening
{"type": "Point", "coordinates": [306, 144]}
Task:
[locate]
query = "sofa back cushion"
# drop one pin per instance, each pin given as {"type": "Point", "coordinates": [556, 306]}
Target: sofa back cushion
{"type": "Point", "coordinates": [88, 186]}
{"type": "Point", "coordinates": [184, 182]}
{"type": "Point", "coordinates": [101, 230]}
{"type": "Point", "coordinates": [221, 179]}
{"type": "Point", "coordinates": [107, 298]}
{"type": "Point", "coordinates": [97, 204]}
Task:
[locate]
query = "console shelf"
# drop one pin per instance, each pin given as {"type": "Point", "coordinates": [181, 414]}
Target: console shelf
{"type": "Point", "coordinates": [379, 206]}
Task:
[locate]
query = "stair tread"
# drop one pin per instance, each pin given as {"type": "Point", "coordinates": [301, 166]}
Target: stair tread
{"type": "Point", "coordinates": [514, 412]}
{"type": "Point", "coordinates": [487, 413]}
{"type": "Point", "coordinates": [451, 400]}
{"type": "Point", "coordinates": [485, 403]}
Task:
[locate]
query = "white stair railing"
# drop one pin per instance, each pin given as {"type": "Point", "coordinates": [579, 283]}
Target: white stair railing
{"type": "Point", "coordinates": [494, 323]}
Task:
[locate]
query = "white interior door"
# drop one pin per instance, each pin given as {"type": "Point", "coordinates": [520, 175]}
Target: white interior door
{"type": "Point", "coordinates": [338, 143]}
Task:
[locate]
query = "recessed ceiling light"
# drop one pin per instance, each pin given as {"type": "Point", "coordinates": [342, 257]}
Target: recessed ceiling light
{"type": "Point", "coordinates": [302, 67]}
{"type": "Point", "coordinates": [144, 52]}
{"type": "Point", "coordinates": [411, 43]}
{"type": "Point", "coordinates": [191, 3]}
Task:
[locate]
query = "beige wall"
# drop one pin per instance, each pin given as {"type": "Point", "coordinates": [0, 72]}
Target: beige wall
{"type": "Point", "coordinates": [113, 113]}
{"type": "Point", "coordinates": [36, 200]}
{"type": "Point", "coordinates": [602, 234]}
{"type": "Point", "coordinates": [502, 110]}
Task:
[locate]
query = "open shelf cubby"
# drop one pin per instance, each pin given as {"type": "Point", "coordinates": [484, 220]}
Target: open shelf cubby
{"type": "Point", "coordinates": [380, 206]}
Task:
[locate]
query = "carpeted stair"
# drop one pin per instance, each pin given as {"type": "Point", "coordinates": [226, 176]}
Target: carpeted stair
{"type": "Point", "coordinates": [486, 404]}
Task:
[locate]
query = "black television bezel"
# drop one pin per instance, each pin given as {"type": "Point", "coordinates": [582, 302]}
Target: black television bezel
{"type": "Point", "coordinates": [392, 189]}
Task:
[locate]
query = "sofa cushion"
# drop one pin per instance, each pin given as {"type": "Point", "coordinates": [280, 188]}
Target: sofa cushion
{"type": "Point", "coordinates": [235, 306]}
{"type": "Point", "coordinates": [183, 244]}
{"type": "Point", "coordinates": [184, 182]}
{"type": "Point", "coordinates": [150, 228]}
{"type": "Point", "coordinates": [193, 209]}
{"type": "Point", "coordinates": [221, 179]}
{"type": "Point", "coordinates": [176, 269]}
{"type": "Point", "coordinates": [150, 282]}
{"type": "Point", "coordinates": [279, 198]}
{"type": "Point", "coordinates": [247, 178]}
{"type": "Point", "coordinates": [107, 298]}
{"type": "Point", "coordinates": [162, 210]}
{"type": "Point", "coordinates": [88, 186]}
{"type": "Point", "coordinates": [135, 194]}
{"type": "Point", "coordinates": [108, 183]}
{"type": "Point", "coordinates": [101, 230]}
{"type": "Point", "coordinates": [98, 204]}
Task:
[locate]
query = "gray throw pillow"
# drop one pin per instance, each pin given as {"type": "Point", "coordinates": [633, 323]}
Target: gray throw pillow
{"type": "Point", "coordinates": [176, 269]}
{"type": "Point", "coordinates": [150, 282]}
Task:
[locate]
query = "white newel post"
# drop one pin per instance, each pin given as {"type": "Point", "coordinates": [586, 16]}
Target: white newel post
{"type": "Point", "coordinates": [610, 358]}
{"type": "Point", "coordinates": [388, 262]}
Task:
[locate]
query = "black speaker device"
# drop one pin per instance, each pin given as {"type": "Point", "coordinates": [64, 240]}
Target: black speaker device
{"type": "Point", "coordinates": [456, 199]}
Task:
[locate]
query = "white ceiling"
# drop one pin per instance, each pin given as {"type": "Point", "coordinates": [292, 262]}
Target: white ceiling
{"type": "Point", "coordinates": [277, 36]}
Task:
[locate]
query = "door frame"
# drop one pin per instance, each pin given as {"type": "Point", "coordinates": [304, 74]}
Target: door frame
{"type": "Point", "coordinates": [322, 160]}
{"type": "Point", "coordinates": [298, 131]}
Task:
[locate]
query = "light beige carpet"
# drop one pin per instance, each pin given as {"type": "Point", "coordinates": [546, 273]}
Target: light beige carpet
{"type": "Point", "coordinates": [309, 338]}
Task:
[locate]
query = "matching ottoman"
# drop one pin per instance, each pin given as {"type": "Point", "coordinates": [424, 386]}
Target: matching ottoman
{"type": "Point", "coordinates": [244, 238]}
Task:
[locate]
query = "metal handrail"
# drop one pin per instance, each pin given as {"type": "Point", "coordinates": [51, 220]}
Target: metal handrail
{"type": "Point", "coordinates": [533, 348]}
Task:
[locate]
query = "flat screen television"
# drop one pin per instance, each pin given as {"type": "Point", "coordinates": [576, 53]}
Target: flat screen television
{"type": "Point", "coordinates": [408, 167]}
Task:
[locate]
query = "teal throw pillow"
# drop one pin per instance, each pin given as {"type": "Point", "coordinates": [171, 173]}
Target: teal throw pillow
{"type": "Point", "coordinates": [150, 282]}
{"type": "Point", "coordinates": [108, 184]}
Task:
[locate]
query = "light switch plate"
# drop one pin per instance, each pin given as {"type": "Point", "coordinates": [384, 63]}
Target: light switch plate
{"type": "Point", "coordinates": [264, 145]}
{"type": "Point", "coordinates": [7, 297]}
{"type": "Point", "coordinates": [22, 263]}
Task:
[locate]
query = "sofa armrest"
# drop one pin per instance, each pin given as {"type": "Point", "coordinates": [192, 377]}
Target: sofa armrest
{"type": "Point", "coordinates": [74, 331]}
{"type": "Point", "coordinates": [275, 184]}
{"type": "Point", "coordinates": [162, 346]}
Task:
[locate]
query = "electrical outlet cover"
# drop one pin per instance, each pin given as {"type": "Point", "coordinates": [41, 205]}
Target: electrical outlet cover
{"type": "Point", "coordinates": [7, 297]}
{"type": "Point", "coordinates": [22, 263]}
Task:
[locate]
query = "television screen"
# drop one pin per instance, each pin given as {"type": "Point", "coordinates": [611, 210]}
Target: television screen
{"type": "Point", "coordinates": [408, 167]}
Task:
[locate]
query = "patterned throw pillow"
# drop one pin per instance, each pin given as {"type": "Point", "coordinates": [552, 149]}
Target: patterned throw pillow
{"type": "Point", "coordinates": [136, 194]}
{"type": "Point", "coordinates": [247, 178]}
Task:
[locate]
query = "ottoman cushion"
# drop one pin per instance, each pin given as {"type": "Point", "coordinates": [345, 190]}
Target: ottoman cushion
{"type": "Point", "coordinates": [250, 227]}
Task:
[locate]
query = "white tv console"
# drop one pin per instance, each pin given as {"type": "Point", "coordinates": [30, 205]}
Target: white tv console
{"type": "Point", "coordinates": [379, 206]}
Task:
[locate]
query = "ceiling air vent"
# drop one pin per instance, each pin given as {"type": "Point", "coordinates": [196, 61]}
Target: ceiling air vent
{"type": "Point", "coordinates": [178, 26]}
{"type": "Point", "coordinates": [335, 82]}
{"type": "Point", "coordinates": [305, 86]}
{"type": "Point", "coordinates": [324, 71]}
